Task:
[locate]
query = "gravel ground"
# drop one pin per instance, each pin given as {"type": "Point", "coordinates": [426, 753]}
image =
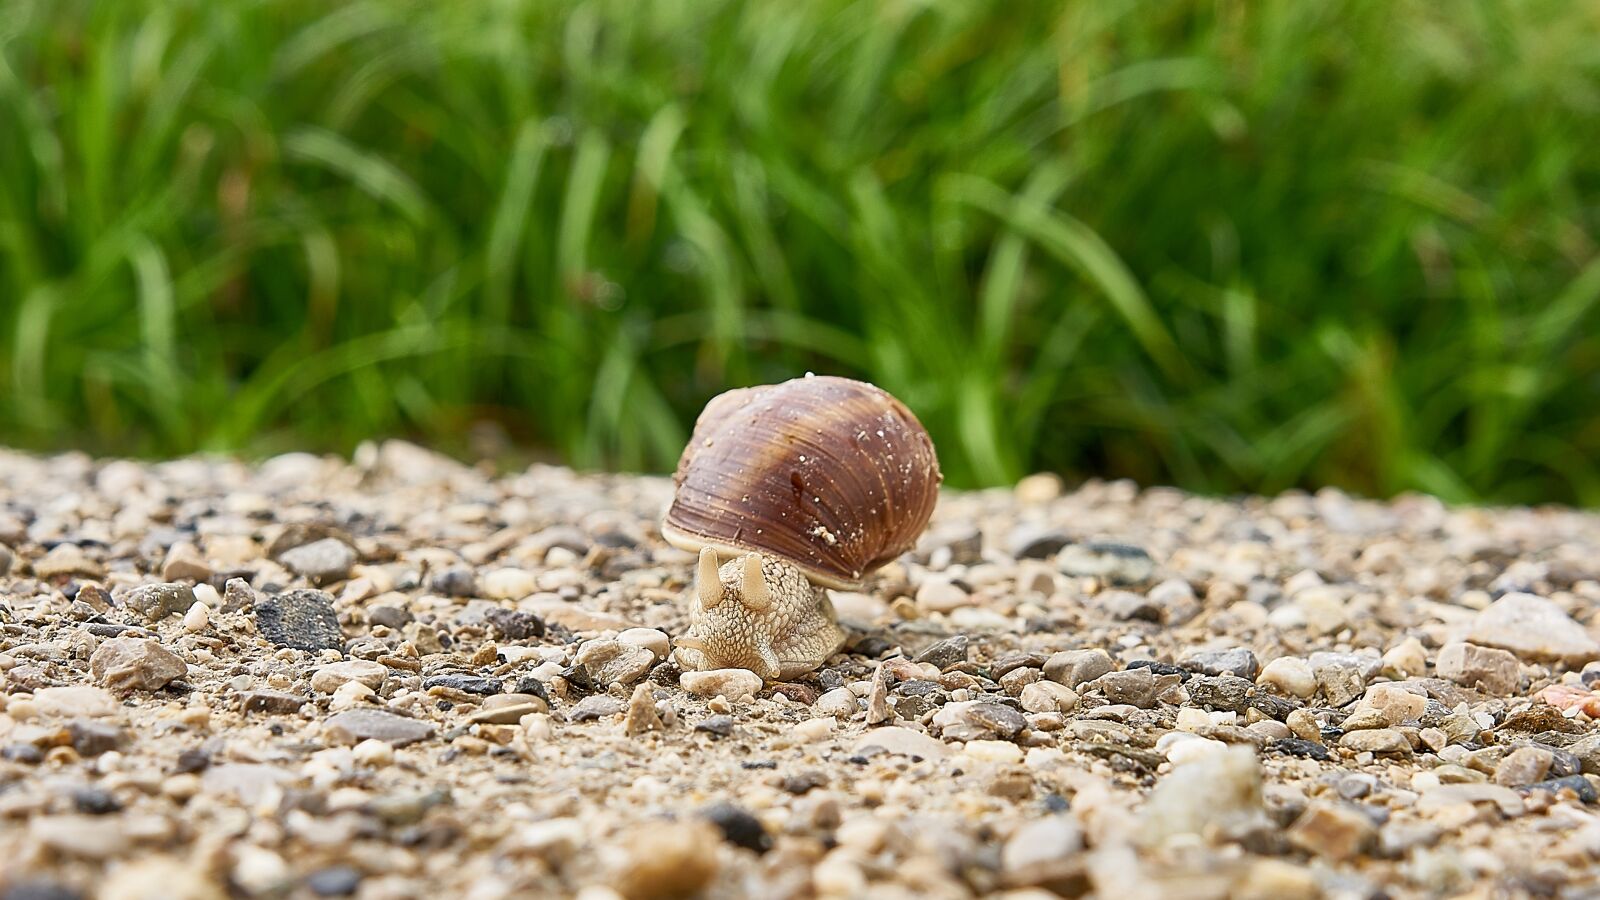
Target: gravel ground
{"type": "Point", "coordinates": [402, 677]}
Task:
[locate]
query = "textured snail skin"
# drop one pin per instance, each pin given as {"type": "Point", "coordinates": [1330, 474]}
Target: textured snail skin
{"type": "Point", "coordinates": [794, 633]}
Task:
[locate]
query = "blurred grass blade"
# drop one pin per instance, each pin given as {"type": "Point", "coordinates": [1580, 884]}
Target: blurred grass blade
{"type": "Point", "coordinates": [30, 350]}
{"type": "Point", "coordinates": [368, 171]}
{"type": "Point", "coordinates": [650, 171]}
{"type": "Point", "coordinates": [584, 184]}
{"type": "Point", "coordinates": [1077, 245]}
{"type": "Point", "coordinates": [510, 219]}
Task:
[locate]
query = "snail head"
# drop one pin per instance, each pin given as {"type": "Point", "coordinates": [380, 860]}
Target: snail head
{"type": "Point", "coordinates": [740, 582]}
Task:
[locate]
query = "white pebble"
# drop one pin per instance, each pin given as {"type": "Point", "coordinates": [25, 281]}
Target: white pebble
{"type": "Point", "coordinates": [940, 595]}
{"type": "Point", "coordinates": [536, 727]}
{"type": "Point", "coordinates": [651, 639]}
{"type": "Point", "coordinates": [1289, 675]}
{"type": "Point", "coordinates": [730, 683]}
{"type": "Point", "coordinates": [992, 751]}
{"type": "Point", "coordinates": [837, 875]}
{"type": "Point", "coordinates": [1168, 740]}
{"type": "Point", "coordinates": [259, 871]}
{"type": "Point", "coordinates": [837, 702]}
{"type": "Point", "coordinates": [509, 584]}
{"type": "Point", "coordinates": [1407, 658]}
{"type": "Point", "coordinates": [197, 618]}
{"type": "Point", "coordinates": [373, 752]}
{"type": "Point", "coordinates": [208, 595]}
{"type": "Point", "coordinates": [350, 694]}
{"type": "Point", "coordinates": [812, 730]}
{"type": "Point", "coordinates": [1196, 748]}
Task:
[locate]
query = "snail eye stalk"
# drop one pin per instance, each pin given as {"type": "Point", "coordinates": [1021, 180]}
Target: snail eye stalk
{"type": "Point", "coordinates": [708, 587]}
{"type": "Point", "coordinates": [753, 588]}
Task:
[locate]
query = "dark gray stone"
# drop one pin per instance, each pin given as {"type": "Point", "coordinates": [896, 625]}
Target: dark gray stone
{"type": "Point", "coordinates": [1135, 687]}
{"type": "Point", "coordinates": [1577, 784]}
{"type": "Point", "coordinates": [237, 595]}
{"type": "Point", "coordinates": [1074, 667]}
{"type": "Point", "coordinates": [722, 726]}
{"type": "Point", "coordinates": [27, 754]}
{"type": "Point", "coordinates": [457, 581]}
{"type": "Point", "coordinates": [1298, 747]}
{"type": "Point", "coordinates": [948, 652]}
{"type": "Point", "coordinates": [982, 720]}
{"type": "Point", "coordinates": [1014, 660]}
{"type": "Point", "coordinates": [918, 687]}
{"type": "Point", "coordinates": [1126, 606]}
{"type": "Point", "coordinates": [467, 684]}
{"type": "Point", "coordinates": [963, 541]}
{"type": "Point", "coordinates": [40, 890]}
{"type": "Point", "coordinates": [514, 624]}
{"type": "Point", "coordinates": [1031, 541]}
{"type": "Point", "coordinates": [95, 801]}
{"type": "Point", "coordinates": [334, 881]}
{"type": "Point", "coordinates": [92, 738]}
{"type": "Point", "coordinates": [1004, 721]}
{"type": "Point", "coordinates": [1272, 706]}
{"type": "Point", "coordinates": [303, 619]}
{"type": "Point", "coordinates": [738, 827]}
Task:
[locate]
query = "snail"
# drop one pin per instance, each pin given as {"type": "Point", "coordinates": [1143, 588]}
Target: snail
{"type": "Point", "coordinates": [787, 490]}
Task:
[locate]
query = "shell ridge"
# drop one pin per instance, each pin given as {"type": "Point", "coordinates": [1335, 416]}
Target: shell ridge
{"type": "Point", "coordinates": [833, 475]}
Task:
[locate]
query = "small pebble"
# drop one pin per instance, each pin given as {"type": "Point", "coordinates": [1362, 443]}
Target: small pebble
{"type": "Point", "coordinates": [730, 683]}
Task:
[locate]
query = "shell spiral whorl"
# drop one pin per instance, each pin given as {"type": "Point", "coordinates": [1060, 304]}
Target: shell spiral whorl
{"type": "Point", "coordinates": [834, 476]}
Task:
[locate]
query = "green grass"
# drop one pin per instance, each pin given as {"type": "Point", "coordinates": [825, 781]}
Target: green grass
{"type": "Point", "coordinates": [1225, 245]}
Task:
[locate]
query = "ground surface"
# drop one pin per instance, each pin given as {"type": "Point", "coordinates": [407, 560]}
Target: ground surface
{"type": "Point", "coordinates": [1267, 698]}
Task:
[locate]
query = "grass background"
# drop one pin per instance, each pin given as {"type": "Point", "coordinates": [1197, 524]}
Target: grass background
{"type": "Point", "coordinates": [1228, 245]}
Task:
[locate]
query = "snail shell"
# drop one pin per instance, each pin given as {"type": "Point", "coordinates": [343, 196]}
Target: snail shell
{"type": "Point", "coordinates": [834, 476]}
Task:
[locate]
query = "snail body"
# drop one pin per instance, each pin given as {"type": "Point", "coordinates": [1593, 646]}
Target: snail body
{"type": "Point", "coordinates": [759, 613]}
{"type": "Point", "coordinates": [809, 484]}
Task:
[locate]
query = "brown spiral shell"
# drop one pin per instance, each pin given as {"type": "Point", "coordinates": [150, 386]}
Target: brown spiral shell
{"type": "Point", "coordinates": [832, 475]}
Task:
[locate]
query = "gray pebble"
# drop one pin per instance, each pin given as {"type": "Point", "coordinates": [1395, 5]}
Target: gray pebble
{"type": "Point", "coordinates": [92, 738]}
{"type": "Point", "coordinates": [321, 561]}
{"type": "Point", "coordinates": [356, 725]}
{"type": "Point", "coordinates": [1116, 563]}
{"type": "Point", "coordinates": [271, 702]}
{"type": "Point", "coordinates": [390, 616]}
{"type": "Point", "coordinates": [1227, 693]}
{"type": "Point", "coordinates": [302, 619]}
{"type": "Point", "coordinates": [1074, 667]}
{"type": "Point", "coordinates": [718, 725]}
{"type": "Point", "coordinates": [948, 652]}
{"type": "Point", "coordinates": [154, 602]}
{"type": "Point", "coordinates": [1030, 541]}
{"type": "Point", "coordinates": [1135, 687]}
{"type": "Point", "coordinates": [456, 581]}
{"type": "Point", "coordinates": [1237, 661]}
{"type": "Point", "coordinates": [1126, 606]}
{"type": "Point", "coordinates": [596, 706]}
{"type": "Point", "coordinates": [467, 684]}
